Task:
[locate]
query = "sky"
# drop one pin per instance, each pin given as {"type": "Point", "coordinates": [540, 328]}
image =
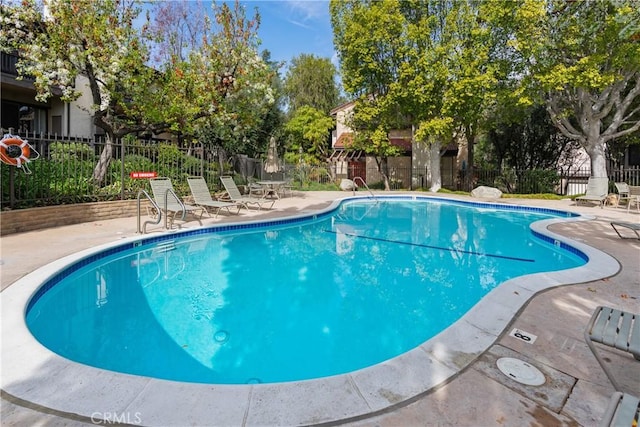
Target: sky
{"type": "Point", "coordinates": [289, 28]}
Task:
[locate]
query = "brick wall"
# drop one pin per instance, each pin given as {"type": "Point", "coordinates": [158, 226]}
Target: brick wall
{"type": "Point", "coordinates": [22, 220]}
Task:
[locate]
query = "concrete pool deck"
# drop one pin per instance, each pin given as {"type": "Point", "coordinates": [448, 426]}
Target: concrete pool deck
{"type": "Point", "coordinates": [576, 392]}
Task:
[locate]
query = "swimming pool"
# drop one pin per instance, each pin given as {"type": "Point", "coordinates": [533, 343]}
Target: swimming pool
{"type": "Point", "coordinates": [35, 374]}
{"type": "Point", "coordinates": [290, 301]}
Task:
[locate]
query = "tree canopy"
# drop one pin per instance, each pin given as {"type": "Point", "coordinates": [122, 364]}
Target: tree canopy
{"type": "Point", "coordinates": [369, 38]}
{"type": "Point", "coordinates": [311, 81]}
{"type": "Point", "coordinates": [310, 130]}
{"type": "Point", "coordinates": [582, 60]}
{"type": "Point", "coordinates": [420, 64]}
{"type": "Point", "coordinates": [221, 79]}
{"type": "Point", "coordinates": [444, 68]}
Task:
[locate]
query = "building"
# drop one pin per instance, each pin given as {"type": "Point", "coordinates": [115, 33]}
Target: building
{"type": "Point", "coordinates": [408, 170]}
{"type": "Point", "coordinates": [23, 113]}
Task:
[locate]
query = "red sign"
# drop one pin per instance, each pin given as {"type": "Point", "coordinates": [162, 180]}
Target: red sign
{"type": "Point", "coordinates": [138, 175]}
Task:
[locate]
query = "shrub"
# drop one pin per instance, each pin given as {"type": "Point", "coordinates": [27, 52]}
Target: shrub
{"type": "Point", "coordinates": [70, 152]}
{"type": "Point", "coordinates": [538, 181]}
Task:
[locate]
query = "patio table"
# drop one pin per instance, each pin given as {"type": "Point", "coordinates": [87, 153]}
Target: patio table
{"type": "Point", "coordinates": [272, 188]}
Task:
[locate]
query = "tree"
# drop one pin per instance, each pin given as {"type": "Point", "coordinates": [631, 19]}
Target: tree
{"type": "Point", "coordinates": [311, 81]}
{"type": "Point", "coordinates": [530, 143]}
{"type": "Point", "coordinates": [224, 81]}
{"type": "Point", "coordinates": [177, 29]}
{"type": "Point", "coordinates": [583, 60]}
{"type": "Point", "coordinates": [310, 127]}
{"type": "Point", "coordinates": [424, 79]}
{"type": "Point", "coordinates": [247, 131]}
{"type": "Point", "coordinates": [369, 39]}
{"type": "Point", "coordinates": [96, 39]}
{"type": "Point", "coordinates": [424, 64]}
{"type": "Point", "coordinates": [99, 40]}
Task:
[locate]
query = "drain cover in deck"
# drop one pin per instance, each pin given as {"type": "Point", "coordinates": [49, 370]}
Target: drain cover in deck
{"type": "Point", "coordinates": [520, 371]}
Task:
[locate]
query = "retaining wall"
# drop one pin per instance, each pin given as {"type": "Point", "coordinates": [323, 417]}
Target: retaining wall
{"type": "Point", "coordinates": [21, 220]}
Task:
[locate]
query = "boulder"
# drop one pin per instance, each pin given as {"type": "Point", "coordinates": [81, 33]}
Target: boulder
{"type": "Point", "coordinates": [347, 185]}
{"type": "Point", "coordinates": [483, 192]}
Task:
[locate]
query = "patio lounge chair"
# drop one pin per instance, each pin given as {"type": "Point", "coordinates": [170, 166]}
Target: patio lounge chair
{"type": "Point", "coordinates": [623, 192]}
{"type": "Point", "coordinates": [630, 225]}
{"type": "Point", "coordinates": [616, 329]}
{"type": "Point", "coordinates": [169, 203]}
{"type": "Point", "coordinates": [202, 197]}
{"type": "Point", "coordinates": [622, 411]}
{"type": "Point", "coordinates": [597, 190]}
{"type": "Point", "coordinates": [236, 197]}
{"type": "Point", "coordinates": [634, 197]}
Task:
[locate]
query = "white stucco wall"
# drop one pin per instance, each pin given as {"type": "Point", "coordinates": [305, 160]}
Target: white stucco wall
{"type": "Point", "coordinates": [80, 117]}
{"type": "Point", "coordinates": [341, 117]}
{"type": "Point", "coordinates": [74, 118]}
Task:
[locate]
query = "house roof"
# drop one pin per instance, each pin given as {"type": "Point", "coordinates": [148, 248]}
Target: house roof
{"type": "Point", "coordinates": [341, 107]}
{"type": "Point", "coordinates": [344, 140]}
{"type": "Point", "coordinates": [404, 143]}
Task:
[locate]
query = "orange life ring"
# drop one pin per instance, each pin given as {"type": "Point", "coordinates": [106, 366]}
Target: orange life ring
{"type": "Point", "coordinates": [12, 156]}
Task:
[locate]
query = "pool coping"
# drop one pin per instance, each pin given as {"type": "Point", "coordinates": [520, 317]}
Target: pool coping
{"type": "Point", "coordinates": [35, 374]}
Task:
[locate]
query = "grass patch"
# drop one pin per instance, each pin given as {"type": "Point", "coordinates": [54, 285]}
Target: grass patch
{"type": "Point", "coordinates": [315, 186]}
{"type": "Point", "coordinates": [541, 196]}
{"type": "Point", "coordinates": [458, 192]}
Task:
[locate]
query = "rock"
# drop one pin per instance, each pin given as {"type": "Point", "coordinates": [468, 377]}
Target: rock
{"type": "Point", "coordinates": [486, 192]}
{"type": "Point", "coordinates": [347, 185]}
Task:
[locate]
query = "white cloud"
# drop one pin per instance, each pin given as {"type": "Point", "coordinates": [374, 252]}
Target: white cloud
{"type": "Point", "coordinates": [300, 24]}
{"type": "Point", "coordinates": [309, 10]}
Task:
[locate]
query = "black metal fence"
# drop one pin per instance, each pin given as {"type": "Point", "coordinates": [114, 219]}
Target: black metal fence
{"type": "Point", "coordinates": [65, 173]}
{"type": "Point", "coordinates": [564, 183]}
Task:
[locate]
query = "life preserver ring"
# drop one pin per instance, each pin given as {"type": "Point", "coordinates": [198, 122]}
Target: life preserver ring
{"type": "Point", "coordinates": [14, 151]}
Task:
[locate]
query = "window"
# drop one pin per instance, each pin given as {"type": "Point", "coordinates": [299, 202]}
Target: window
{"type": "Point", "coordinates": [23, 118]}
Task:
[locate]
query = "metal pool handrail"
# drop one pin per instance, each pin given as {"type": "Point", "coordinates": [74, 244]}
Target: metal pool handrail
{"type": "Point", "coordinates": [155, 206]}
{"type": "Point", "coordinates": [365, 185]}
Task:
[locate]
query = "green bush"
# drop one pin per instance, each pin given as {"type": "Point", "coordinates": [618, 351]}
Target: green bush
{"type": "Point", "coordinates": [317, 186]}
{"type": "Point", "coordinates": [538, 181]}
{"type": "Point", "coordinates": [70, 152]}
{"type": "Point", "coordinates": [506, 181]}
{"type": "Point", "coordinates": [378, 185]}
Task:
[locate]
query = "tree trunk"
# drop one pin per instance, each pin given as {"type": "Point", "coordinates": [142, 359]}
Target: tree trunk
{"type": "Point", "coordinates": [595, 150]}
{"type": "Point", "coordinates": [434, 174]}
{"type": "Point", "coordinates": [222, 159]}
{"type": "Point", "coordinates": [599, 117]}
{"type": "Point", "coordinates": [471, 140]}
{"type": "Point", "coordinates": [100, 171]}
{"type": "Point", "coordinates": [331, 170]}
{"type": "Point", "coordinates": [383, 168]}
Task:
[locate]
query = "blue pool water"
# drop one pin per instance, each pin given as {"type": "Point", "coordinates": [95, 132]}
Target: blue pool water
{"type": "Point", "coordinates": [289, 300]}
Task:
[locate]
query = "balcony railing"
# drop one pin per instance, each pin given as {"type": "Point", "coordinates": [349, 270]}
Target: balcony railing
{"type": "Point", "coordinates": [8, 63]}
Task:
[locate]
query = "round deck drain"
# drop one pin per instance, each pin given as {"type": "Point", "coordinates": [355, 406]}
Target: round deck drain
{"type": "Point", "coordinates": [521, 371]}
